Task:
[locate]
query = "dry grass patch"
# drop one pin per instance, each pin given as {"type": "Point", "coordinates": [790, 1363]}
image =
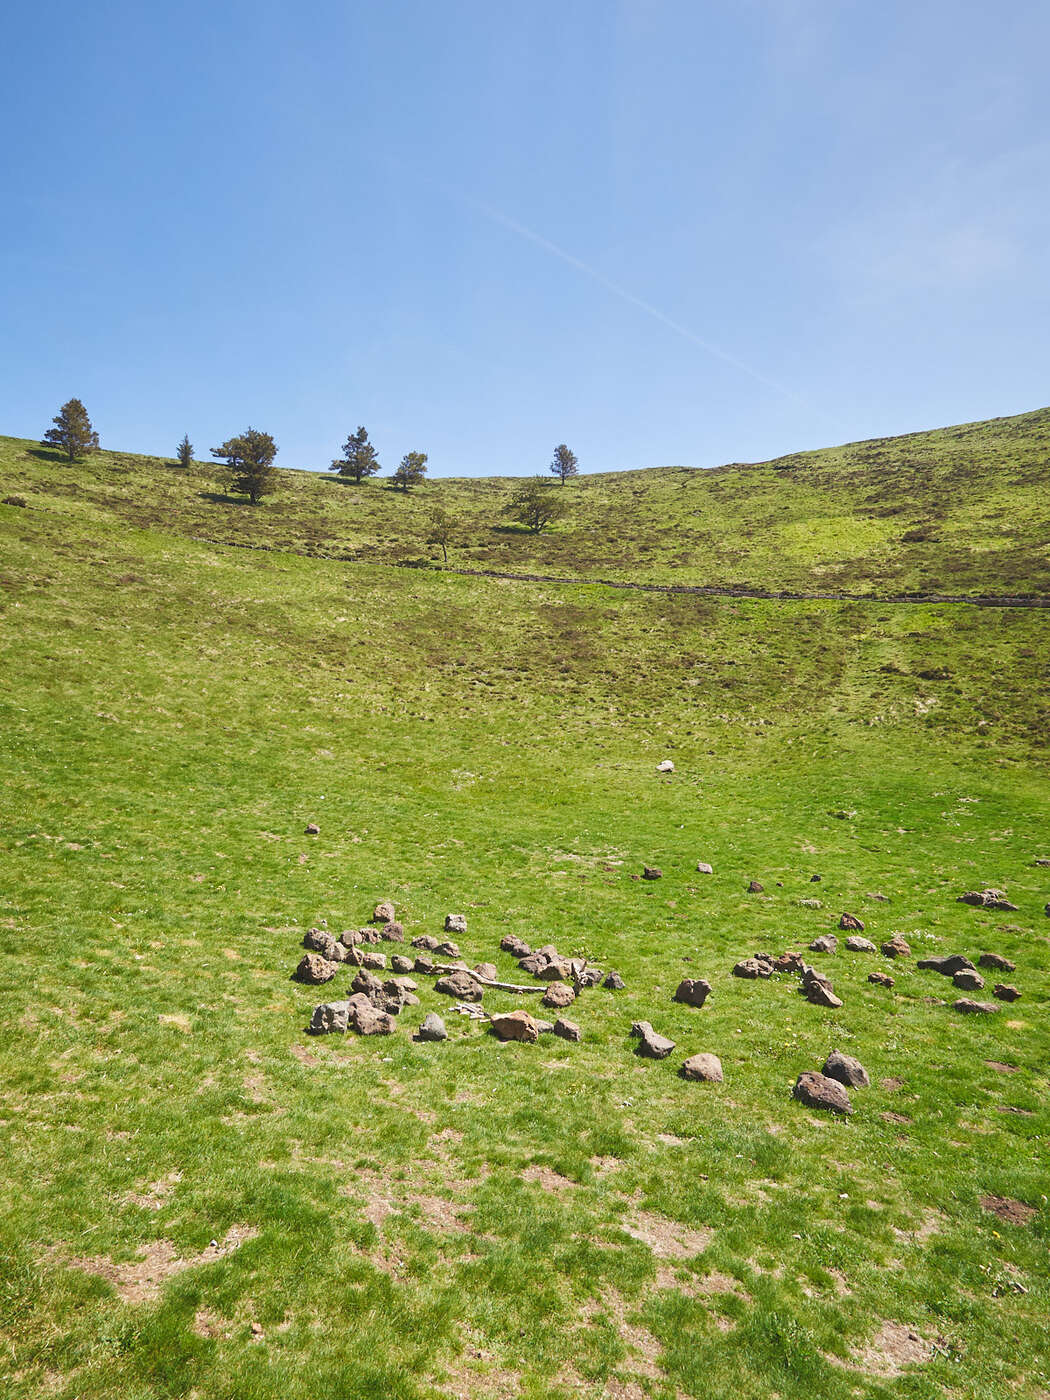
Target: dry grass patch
{"type": "Point", "coordinates": [892, 1350]}
{"type": "Point", "coordinates": [153, 1196]}
{"type": "Point", "coordinates": [667, 1238]}
{"type": "Point", "coordinates": [141, 1280]}
{"type": "Point", "coordinates": [547, 1177]}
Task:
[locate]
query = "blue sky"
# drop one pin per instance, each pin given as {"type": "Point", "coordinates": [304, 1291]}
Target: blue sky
{"type": "Point", "coordinates": [662, 231]}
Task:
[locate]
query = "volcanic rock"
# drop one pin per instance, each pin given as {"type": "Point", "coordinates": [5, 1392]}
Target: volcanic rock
{"type": "Point", "coordinates": [826, 943]}
{"type": "Point", "coordinates": [754, 887]}
{"type": "Point", "coordinates": [487, 970]}
{"type": "Point", "coordinates": [426, 941]}
{"type": "Point", "coordinates": [704, 1066]}
{"type": "Point", "coordinates": [370, 958]}
{"type": "Point", "coordinates": [516, 1025]}
{"type": "Point", "coordinates": [693, 991]}
{"type": "Point", "coordinates": [432, 1028]}
{"type": "Point", "coordinates": [460, 985]}
{"type": "Point", "coordinates": [399, 963]}
{"type": "Point", "coordinates": [568, 1030]}
{"type": "Point", "coordinates": [448, 949]}
{"type": "Point", "coordinates": [752, 968]}
{"type": "Point", "coordinates": [1005, 992]}
{"type": "Point", "coordinates": [651, 1045]}
{"type": "Point", "coordinates": [384, 912]}
{"type": "Point", "coordinates": [652, 872]}
{"type": "Point", "coordinates": [947, 966]}
{"type": "Point", "coordinates": [856, 944]}
{"type": "Point", "coordinates": [846, 1070]}
{"type": "Point", "coordinates": [393, 932]}
{"type": "Point", "coordinates": [318, 940]}
{"type": "Point", "coordinates": [313, 829]}
{"type": "Point", "coordinates": [995, 960]}
{"type": "Point", "coordinates": [313, 969]}
{"type": "Point", "coordinates": [455, 923]}
{"type": "Point", "coordinates": [851, 922]}
{"type": "Point", "coordinates": [329, 1017]}
{"type": "Point", "coordinates": [974, 1008]}
{"type": "Point", "coordinates": [559, 995]}
{"type": "Point", "coordinates": [705, 869]}
{"type": "Point", "coordinates": [818, 1091]}
{"type": "Point", "coordinates": [896, 947]}
{"type": "Point", "coordinates": [987, 899]}
{"type": "Point", "coordinates": [614, 982]}
{"type": "Point", "coordinates": [511, 943]}
{"type": "Point", "coordinates": [968, 981]}
{"type": "Point", "coordinates": [880, 979]}
{"type": "Point", "coordinates": [533, 962]}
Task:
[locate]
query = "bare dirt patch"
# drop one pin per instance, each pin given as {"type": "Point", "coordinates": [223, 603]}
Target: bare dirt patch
{"type": "Point", "coordinates": [892, 1350]}
{"type": "Point", "coordinates": [547, 1177]}
{"type": "Point", "coordinates": [179, 1023]}
{"type": "Point", "coordinates": [153, 1196]}
{"type": "Point", "coordinates": [895, 1117]}
{"type": "Point", "coordinates": [140, 1280]}
{"type": "Point", "coordinates": [304, 1056]}
{"type": "Point", "coordinates": [891, 1085]}
{"type": "Point", "coordinates": [1000, 1068]}
{"type": "Point", "coordinates": [667, 1238]}
{"type": "Point", "coordinates": [930, 1222]}
{"type": "Point", "coordinates": [1006, 1208]}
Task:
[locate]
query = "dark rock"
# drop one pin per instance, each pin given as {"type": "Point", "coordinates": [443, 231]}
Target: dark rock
{"type": "Point", "coordinates": [568, 1030]}
{"type": "Point", "coordinates": [516, 1025]}
{"type": "Point", "coordinates": [425, 941]}
{"type": "Point", "coordinates": [342, 954]}
{"type": "Point", "coordinates": [549, 951]}
{"type": "Point", "coordinates": [330, 1017]}
{"type": "Point", "coordinates": [370, 958]}
{"type": "Point", "coordinates": [313, 829]}
{"type": "Point", "coordinates": [511, 943]}
{"type": "Point", "coordinates": [426, 966]}
{"type": "Point", "coordinates": [369, 935]}
{"type": "Point", "coordinates": [399, 963]}
{"type": "Point", "coordinates": [814, 879]}
{"type": "Point", "coordinates": [365, 1019]}
{"type": "Point", "coordinates": [752, 968]}
{"type": "Point", "coordinates": [693, 991]}
{"type": "Point", "coordinates": [896, 947]}
{"type": "Point", "coordinates": [614, 982]}
{"type": "Point", "coordinates": [820, 994]}
{"type": "Point", "coordinates": [432, 1028]}
{"type": "Point", "coordinates": [1005, 992]}
{"type": "Point", "coordinates": [559, 995]}
{"type": "Point", "coordinates": [826, 943]}
{"type": "Point", "coordinates": [705, 1067]}
{"type": "Point", "coordinates": [974, 1008]}
{"type": "Point", "coordinates": [788, 962]}
{"type": "Point", "coordinates": [754, 887]}
{"type": "Point", "coordinates": [651, 1045]}
{"type": "Point", "coordinates": [369, 984]}
{"type": "Point", "coordinates": [589, 977]}
{"type": "Point", "coordinates": [987, 899]}
{"type": "Point", "coordinates": [313, 969]}
{"type": "Point", "coordinates": [818, 1091]}
{"type": "Point", "coordinates": [553, 972]}
{"type": "Point", "coordinates": [384, 912]}
{"type": "Point", "coordinates": [448, 949]}
{"type": "Point", "coordinates": [880, 979]}
{"type": "Point", "coordinates": [851, 922]}
{"type": "Point", "coordinates": [968, 981]}
{"type": "Point", "coordinates": [350, 937]}
{"type": "Point", "coordinates": [455, 923]}
{"type": "Point", "coordinates": [946, 966]}
{"type": "Point", "coordinates": [460, 985]}
{"type": "Point", "coordinates": [393, 932]}
{"type": "Point", "coordinates": [651, 872]}
{"type": "Point", "coordinates": [856, 944]}
{"type": "Point", "coordinates": [533, 963]}
{"type": "Point", "coordinates": [996, 961]}
{"type": "Point", "coordinates": [318, 940]}
{"type": "Point", "coordinates": [846, 1070]}
{"type": "Point", "coordinates": [544, 1027]}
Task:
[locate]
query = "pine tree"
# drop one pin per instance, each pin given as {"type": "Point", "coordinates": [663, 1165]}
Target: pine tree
{"type": "Point", "coordinates": [359, 457]}
{"type": "Point", "coordinates": [412, 470]}
{"type": "Point", "coordinates": [185, 451]}
{"type": "Point", "coordinates": [72, 432]}
{"type": "Point", "coordinates": [534, 505]}
{"type": "Point", "coordinates": [249, 458]}
{"type": "Point", "coordinates": [564, 463]}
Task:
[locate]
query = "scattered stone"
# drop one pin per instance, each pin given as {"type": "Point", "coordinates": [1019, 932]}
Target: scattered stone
{"type": "Point", "coordinates": [455, 923]}
{"type": "Point", "coordinates": [426, 941]}
{"type": "Point", "coordinates": [814, 879]}
{"type": "Point", "coordinates": [1005, 992]}
{"type": "Point", "coordinates": [516, 1025]}
{"type": "Point", "coordinates": [754, 887]}
{"type": "Point", "coordinates": [665, 767]}
{"type": "Point", "coordinates": [368, 983]}
{"type": "Point", "coordinates": [704, 868]}
{"type": "Point", "coordinates": [489, 970]}
{"type": "Point", "coordinates": [896, 947]}
{"type": "Point", "coordinates": [818, 1091]}
{"type": "Point", "coordinates": [652, 872]}
{"type": "Point", "coordinates": [704, 1067]}
{"type": "Point", "coordinates": [820, 994]}
{"type": "Point", "coordinates": [589, 977]}
{"type": "Point", "coordinates": [651, 1045]}
{"type": "Point", "coordinates": [384, 912]}
{"type": "Point", "coordinates": [559, 995]}
{"type": "Point", "coordinates": [313, 969]}
{"type": "Point", "coordinates": [568, 1030]}
{"type": "Point", "coordinates": [461, 985]}
{"type": "Point", "coordinates": [370, 958]}
{"type": "Point", "coordinates": [881, 898]}
{"type": "Point", "coordinates": [393, 932]}
{"type": "Point", "coordinates": [753, 968]}
{"type": "Point", "coordinates": [368, 935]}
{"type": "Point", "coordinates": [826, 943]}
{"type": "Point", "coordinates": [448, 949]}
{"type": "Point", "coordinates": [880, 979]}
{"type": "Point", "coordinates": [850, 921]}
{"type": "Point", "coordinates": [973, 1008]}
{"type": "Point", "coordinates": [947, 966]}
{"type": "Point", "coordinates": [987, 899]}
{"type": "Point", "coordinates": [330, 1017]}
{"type": "Point", "coordinates": [997, 961]}
{"type": "Point", "coordinates": [1041, 860]}
{"type": "Point", "coordinates": [313, 829]}
{"type": "Point", "coordinates": [366, 1019]}
{"type": "Point", "coordinates": [614, 982]}
{"type": "Point", "coordinates": [544, 1027]}
{"type": "Point", "coordinates": [425, 965]}
{"type": "Point", "coordinates": [968, 981]}
{"type": "Point", "coordinates": [811, 903]}
{"type": "Point", "coordinates": [341, 953]}
{"type": "Point", "coordinates": [554, 972]}
{"type": "Point", "coordinates": [846, 1070]}
{"type": "Point", "coordinates": [432, 1028]}
{"type": "Point", "coordinates": [511, 943]}
{"type": "Point", "coordinates": [350, 937]}
{"type": "Point", "coordinates": [399, 963]}
{"type": "Point", "coordinates": [318, 940]}
{"type": "Point", "coordinates": [788, 962]}
{"type": "Point", "coordinates": [549, 951]}
{"type": "Point", "coordinates": [856, 944]}
{"type": "Point", "coordinates": [692, 991]}
{"type": "Point", "coordinates": [532, 963]}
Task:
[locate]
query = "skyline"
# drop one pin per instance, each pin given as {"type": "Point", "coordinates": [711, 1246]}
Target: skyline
{"type": "Point", "coordinates": [663, 234]}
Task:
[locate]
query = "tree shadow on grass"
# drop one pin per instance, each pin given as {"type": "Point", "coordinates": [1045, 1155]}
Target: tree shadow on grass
{"type": "Point", "coordinates": [51, 454]}
{"type": "Point", "coordinates": [220, 499]}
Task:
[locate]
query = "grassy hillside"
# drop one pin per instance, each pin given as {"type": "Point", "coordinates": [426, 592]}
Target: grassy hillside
{"type": "Point", "coordinates": [960, 510]}
{"type": "Point", "coordinates": [202, 1201]}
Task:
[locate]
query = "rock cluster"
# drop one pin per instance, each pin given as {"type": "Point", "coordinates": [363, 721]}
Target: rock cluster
{"type": "Point", "coordinates": [987, 899]}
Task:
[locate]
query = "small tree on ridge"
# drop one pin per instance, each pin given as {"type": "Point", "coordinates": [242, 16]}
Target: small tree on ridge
{"type": "Point", "coordinates": [72, 432]}
{"type": "Point", "coordinates": [564, 463]}
{"type": "Point", "coordinates": [184, 451]}
{"type": "Point", "coordinates": [411, 471]}
{"type": "Point", "coordinates": [249, 458]}
{"type": "Point", "coordinates": [359, 457]}
{"type": "Point", "coordinates": [534, 506]}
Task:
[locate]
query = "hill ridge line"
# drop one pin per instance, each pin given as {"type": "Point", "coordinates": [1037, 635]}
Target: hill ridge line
{"type": "Point", "coordinates": [727, 590]}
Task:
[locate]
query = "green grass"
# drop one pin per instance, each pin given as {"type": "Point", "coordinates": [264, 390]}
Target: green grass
{"type": "Point", "coordinates": [175, 712]}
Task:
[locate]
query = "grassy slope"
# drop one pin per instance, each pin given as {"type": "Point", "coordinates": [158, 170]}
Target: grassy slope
{"type": "Point", "coordinates": [174, 713]}
{"type": "Point", "coordinates": [834, 519]}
